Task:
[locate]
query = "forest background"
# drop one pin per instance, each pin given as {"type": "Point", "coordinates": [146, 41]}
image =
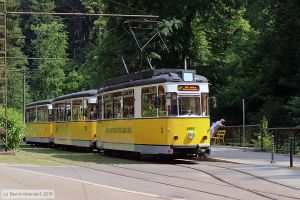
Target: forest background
{"type": "Point", "coordinates": [247, 49]}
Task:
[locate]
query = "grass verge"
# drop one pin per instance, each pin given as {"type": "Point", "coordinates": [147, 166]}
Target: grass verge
{"type": "Point", "coordinates": [44, 156]}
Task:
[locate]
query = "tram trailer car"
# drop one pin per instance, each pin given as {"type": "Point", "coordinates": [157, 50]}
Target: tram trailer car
{"type": "Point", "coordinates": [38, 123]}
{"type": "Point", "coordinates": [69, 120]}
{"type": "Point", "coordinates": [74, 119]}
{"type": "Point", "coordinates": [155, 112]}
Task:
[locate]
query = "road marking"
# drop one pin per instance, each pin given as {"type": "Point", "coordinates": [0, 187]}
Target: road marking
{"type": "Point", "coordinates": [95, 184]}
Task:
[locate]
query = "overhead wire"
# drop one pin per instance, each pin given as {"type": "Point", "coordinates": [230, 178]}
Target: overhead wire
{"type": "Point", "coordinates": [82, 14]}
{"type": "Point", "coordinates": [36, 58]}
{"type": "Point", "coordinates": [116, 2]}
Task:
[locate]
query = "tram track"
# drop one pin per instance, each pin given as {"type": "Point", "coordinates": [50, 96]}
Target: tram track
{"type": "Point", "coordinates": [227, 183]}
{"type": "Point", "coordinates": [256, 192]}
{"type": "Point", "coordinates": [223, 183]}
{"type": "Point", "coordinates": [255, 176]}
{"type": "Point", "coordinates": [139, 178]}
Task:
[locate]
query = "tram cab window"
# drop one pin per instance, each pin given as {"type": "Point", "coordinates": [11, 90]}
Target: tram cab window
{"type": "Point", "coordinates": [161, 101]}
{"type": "Point", "coordinates": [76, 104]}
{"type": "Point", "coordinates": [171, 102]}
{"type": "Point", "coordinates": [205, 105]}
{"type": "Point", "coordinates": [189, 105]}
{"type": "Point", "coordinates": [149, 96]}
{"type": "Point", "coordinates": [42, 114]}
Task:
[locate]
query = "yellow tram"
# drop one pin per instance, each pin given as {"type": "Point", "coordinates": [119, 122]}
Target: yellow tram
{"type": "Point", "coordinates": [74, 121]}
{"type": "Point", "coordinates": [155, 112]}
{"type": "Point", "coordinates": [162, 111]}
{"type": "Point", "coordinates": [38, 125]}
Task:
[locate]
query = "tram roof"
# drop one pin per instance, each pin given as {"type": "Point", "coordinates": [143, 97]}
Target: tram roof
{"type": "Point", "coordinates": [149, 77]}
{"type": "Point", "coordinates": [38, 103]}
{"type": "Point", "coordinates": [86, 93]}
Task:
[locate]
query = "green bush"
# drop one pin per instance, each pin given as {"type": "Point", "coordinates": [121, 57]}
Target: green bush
{"type": "Point", "coordinates": [16, 128]}
{"type": "Point", "coordinates": [267, 138]}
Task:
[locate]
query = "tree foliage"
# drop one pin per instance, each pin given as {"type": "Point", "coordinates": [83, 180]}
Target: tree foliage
{"type": "Point", "coordinates": [247, 49]}
{"type": "Point", "coordinates": [16, 128]}
{"type": "Point", "coordinates": [17, 61]}
{"type": "Point", "coordinates": [50, 41]}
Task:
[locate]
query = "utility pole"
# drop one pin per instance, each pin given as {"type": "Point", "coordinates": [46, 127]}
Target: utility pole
{"type": "Point", "coordinates": [3, 68]}
{"type": "Point", "coordinates": [24, 96]}
{"type": "Point", "coordinates": [244, 134]}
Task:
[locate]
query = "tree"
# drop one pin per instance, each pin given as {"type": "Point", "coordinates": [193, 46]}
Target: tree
{"type": "Point", "coordinates": [15, 43]}
{"type": "Point", "coordinates": [50, 42]}
{"type": "Point", "coordinates": [16, 128]}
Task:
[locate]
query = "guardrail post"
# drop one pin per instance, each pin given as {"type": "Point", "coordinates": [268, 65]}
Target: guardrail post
{"type": "Point", "coordinates": [273, 149]}
{"type": "Point", "coordinates": [294, 136]}
{"type": "Point", "coordinates": [291, 151]}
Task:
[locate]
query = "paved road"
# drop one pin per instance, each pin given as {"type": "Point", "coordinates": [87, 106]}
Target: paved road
{"type": "Point", "coordinates": [249, 157]}
{"type": "Point", "coordinates": [177, 180]}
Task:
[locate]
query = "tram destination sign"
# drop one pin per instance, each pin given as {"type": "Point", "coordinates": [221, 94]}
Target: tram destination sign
{"type": "Point", "coordinates": [188, 88]}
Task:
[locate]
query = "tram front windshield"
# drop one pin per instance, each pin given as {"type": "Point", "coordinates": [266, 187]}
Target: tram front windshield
{"type": "Point", "coordinates": [189, 105]}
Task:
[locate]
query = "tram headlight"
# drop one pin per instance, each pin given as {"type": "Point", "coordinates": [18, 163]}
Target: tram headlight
{"type": "Point", "coordinates": [191, 135]}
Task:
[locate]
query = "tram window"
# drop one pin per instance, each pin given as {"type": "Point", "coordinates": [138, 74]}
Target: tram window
{"type": "Point", "coordinates": [161, 101]}
{"type": "Point", "coordinates": [54, 116]}
{"type": "Point", "coordinates": [62, 110]}
{"type": "Point", "coordinates": [205, 107]}
{"type": "Point", "coordinates": [84, 110]}
{"type": "Point", "coordinates": [27, 115]}
{"type": "Point", "coordinates": [59, 112]}
{"type": "Point", "coordinates": [171, 101]}
{"type": "Point", "coordinates": [42, 114]}
{"type": "Point", "coordinates": [31, 115]}
{"type": "Point", "coordinates": [76, 109]}
{"type": "Point", "coordinates": [107, 105]}
{"type": "Point", "coordinates": [93, 114]}
{"type": "Point", "coordinates": [149, 95]}
{"type": "Point", "coordinates": [50, 115]}
{"type": "Point", "coordinates": [68, 111]}
{"type": "Point", "coordinates": [99, 107]}
{"type": "Point", "coordinates": [117, 107]}
{"type": "Point", "coordinates": [128, 107]}
{"type": "Point", "coordinates": [189, 105]}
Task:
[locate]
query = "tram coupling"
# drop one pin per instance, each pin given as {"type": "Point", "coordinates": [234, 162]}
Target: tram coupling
{"type": "Point", "coordinates": [202, 151]}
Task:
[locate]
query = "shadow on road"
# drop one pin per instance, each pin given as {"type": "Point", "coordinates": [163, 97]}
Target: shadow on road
{"type": "Point", "coordinates": [81, 156]}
